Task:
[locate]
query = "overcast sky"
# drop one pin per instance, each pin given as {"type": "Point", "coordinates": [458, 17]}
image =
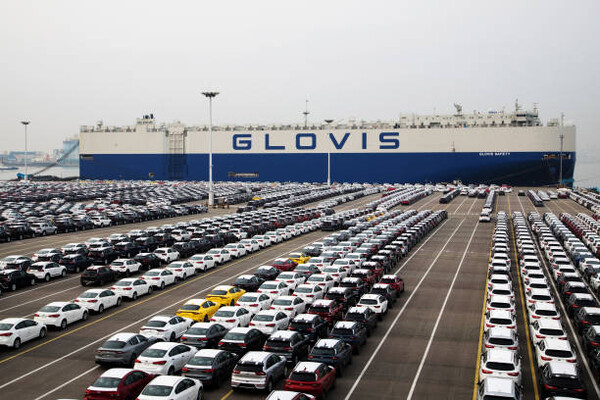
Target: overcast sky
{"type": "Point", "coordinates": [69, 63]}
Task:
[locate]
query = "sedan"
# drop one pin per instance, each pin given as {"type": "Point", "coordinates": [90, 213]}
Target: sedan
{"type": "Point", "coordinates": [211, 366]}
{"type": "Point", "coordinates": [182, 269]}
{"type": "Point", "coordinates": [15, 331]}
{"type": "Point", "coordinates": [166, 254]}
{"type": "Point", "coordinates": [165, 358]}
{"type": "Point", "coordinates": [131, 288]}
{"type": "Point", "coordinates": [125, 267]}
{"type": "Point", "coordinates": [249, 283]}
{"type": "Point", "coordinates": [221, 256]}
{"type": "Point", "coordinates": [309, 293]}
{"type": "Point", "coordinates": [232, 317]}
{"type": "Point", "coordinates": [98, 299]}
{"type": "Point", "coordinates": [204, 335]}
{"type": "Point", "coordinates": [203, 262]}
{"type": "Point", "coordinates": [123, 348]}
{"type": "Point", "coordinates": [270, 321]}
{"type": "Point", "coordinates": [198, 309]}
{"type": "Point", "coordinates": [274, 289]}
{"type": "Point", "coordinates": [254, 301]}
{"type": "Point", "coordinates": [118, 384]}
{"type": "Point", "coordinates": [173, 388]}
{"type": "Point", "coordinates": [166, 327]}
{"type": "Point", "coordinates": [291, 278]}
{"type": "Point", "coordinates": [61, 313]}
{"type": "Point", "coordinates": [291, 305]}
{"type": "Point", "coordinates": [159, 277]}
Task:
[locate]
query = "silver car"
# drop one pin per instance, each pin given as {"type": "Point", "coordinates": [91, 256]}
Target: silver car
{"type": "Point", "coordinates": [259, 370]}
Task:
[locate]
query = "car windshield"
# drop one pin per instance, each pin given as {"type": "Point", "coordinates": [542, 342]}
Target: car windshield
{"type": "Point", "coordinates": [218, 293]}
{"type": "Point", "coordinates": [263, 317]}
{"type": "Point", "coordinates": [234, 336]}
{"type": "Point", "coordinates": [559, 353]}
{"type": "Point", "coordinates": [123, 283]}
{"type": "Point", "coordinates": [248, 299]}
{"type": "Point", "coordinates": [282, 302]}
{"type": "Point", "coordinates": [156, 324]}
{"type": "Point", "coordinates": [323, 351]}
{"type": "Point", "coordinates": [107, 382]}
{"type": "Point", "coordinates": [152, 273]}
{"type": "Point", "coordinates": [269, 286]}
{"type": "Point", "coordinates": [118, 263]}
{"type": "Point", "coordinates": [157, 390]}
{"type": "Point", "coordinates": [249, 367]}
{"type": "Point", "coordinates": [197, 331]}
{"type": "Point", "coordinates": [304, 290]}
{"type": "Point", "coordinates": [342, 332]}
{"type": "Point", "coordinates": [50, 309]}
{"type": "Point", "coordinates": [225, 314]}
{"type": "Point", "coordinates": [113, 344]}
{"type": "Point", "coordinates": [243, 280]}
{"type": "Point", "coordinates": [303, 376]}
{"type": "Point", "coordinates": [201, 361]}
{"type": "Point", "coordinates": [500, 366]}
{"type": "Point", "coordinates": [153, 353]}
{"type": "Point", "coordinates": [88, 295]}
{"type": "Point", "coordinates": [368, 301]}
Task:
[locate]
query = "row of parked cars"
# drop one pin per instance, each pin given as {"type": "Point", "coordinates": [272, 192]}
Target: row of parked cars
{"type": "Point", "coordinates": [286, 313]}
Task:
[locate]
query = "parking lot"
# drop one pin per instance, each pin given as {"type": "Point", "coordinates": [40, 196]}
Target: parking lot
{"type": "Point", "coordinates": [426, 347]}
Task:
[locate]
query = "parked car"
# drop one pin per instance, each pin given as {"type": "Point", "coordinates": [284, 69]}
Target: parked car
{"type": "Point", "coordinates": [123, 348]}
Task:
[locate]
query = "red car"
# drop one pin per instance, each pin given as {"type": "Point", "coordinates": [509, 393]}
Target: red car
{"type": "Point", "coordinates": [395, 282]}
{"type": "Point", "coordinates": [118, 384]}
{"type": "Point", "coordinates": [311, 377]}
{"type": "Point", "coordinates": [366, 275]}
{"type": "Point", "coordinates": [284, 264]}
{"type": "Point", "coordinates": [375, 267]}
{"type": "Point", "coordinates": [329, 310]}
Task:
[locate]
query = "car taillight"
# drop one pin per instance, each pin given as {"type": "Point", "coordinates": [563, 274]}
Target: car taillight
{"type": "Point", "coordinates": [289, 308]}
{"type": "Point", "coordinates": [572, 360]}
{"type": "Point", "coordinates": [486, 371]}
{"type": "Point", "coordinates": [92, 301]}
{"type": "Point", "coordinates": [539, 336]}
{"type": "Point", "coordinates": [513, 374]}
{"type": "Point", "coordinates": [230, 320]}
{"type": "Point", "coordinates": [155, 279]}
{"type": "Point", "coordinates": [253, 305]}
{"type": "Point", "coordinates": [260, 373]}
{"type": "Point", "coordinates": [236, 371]}
{"type": "Point", "coordinates": [270, 325]}
{"type": "Point", "coordinates": [335, 358]}
{"type": "Point", "coordinates": [162, 362]}
{"type": "Point", "coordinates": [513, 348]}
{"type": "Point", "coordinates": [546, 358]}
{"type": "Point", "coordinates": [53, 315]}
{"type": "Point", "coordinates": [138, 361]}
{"type": "Point", "coordinates": [6, 334]}
{"type": "Point", "coordinates": [489, 346]}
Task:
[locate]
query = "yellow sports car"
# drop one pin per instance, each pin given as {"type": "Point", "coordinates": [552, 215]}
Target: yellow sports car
{"type": "Point", "coordinates": [225, 295]}
{"type": "Point", "coordinates": [298, 258]}
{"type": "Point", "coordinates": [200, 310]}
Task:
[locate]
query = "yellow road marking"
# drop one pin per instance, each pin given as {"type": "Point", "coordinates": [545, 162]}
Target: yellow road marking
{"type": "Point", "coordinates": [227, 395]}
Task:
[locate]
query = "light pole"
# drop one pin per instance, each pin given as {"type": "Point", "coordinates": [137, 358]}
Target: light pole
{"type": "Point", "coordinates": [211, 193]}
{"type": "Point", "coordinates": [25, 123]}
{"type": "Point", "coordinates": [328, 122]}
{"type": "Point", "coordinates": [560, 172]}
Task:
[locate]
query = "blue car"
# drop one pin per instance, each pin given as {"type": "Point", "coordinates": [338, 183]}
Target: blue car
{"type": "Point", "coordinates": [334, 352]}
{"type": "Point", "coordinates": [352, 332]}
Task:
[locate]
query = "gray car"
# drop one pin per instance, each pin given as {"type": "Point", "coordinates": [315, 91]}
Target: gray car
{"type": "Point", "coordinates": [123, 348]}
{"type": "Point", "coordinates": [258, 370]}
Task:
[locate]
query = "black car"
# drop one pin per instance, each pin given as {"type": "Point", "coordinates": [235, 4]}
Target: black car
{"type": "Point", "coordinates": [4, 234]}
{"type": "Point", "coordinates": [215, 240]}
{"type": "Point", "coordinates": [201, 245]}
{"type": "Point", "coordinates": [358, 286]}
{"type": "Point", "coordinates": [211, 368]}
{"type": "Point", "coordinates": [352, 332]}
{"type": "Point", "coordinates": [561, 379]}
{"type": "Point", "coordinates": [578, 300]}
{"type": "Point", "coordinates": [184, 249]}
{"type": "Point", "coordinates": [334, 352]}
{"type": "Point", "coordinates": [591, 338]}
{"type": "Point", "coordinates": [147, 243]}
{"type": "Point", "coordinates": [19, 231]}
{"type": "Point", "coordinates": [103, 255]}
{"type": "Point", "coordinates": [97, 275]}
{"type": "Point", "coordinates": [586, 317]}
{"type": "Point", "coordinates": [123, 348]}
{"type": "Point", "coordinates": [204, 335]}
{"type": "Point", "coordinates": [344, 295]}
{"type": "Point", "coordinates": [148, 260]}
{"type": "Point", "coordinates": [164, 239]}
{"type": "Point", "coordinates": [365, 315]}
{"type": "Point", "coordinates": [312, 326]}
{"type": "Point", "coordinates": [267, 272]}
{"type": "Point", "coordinates": [242, 340]}
{"type": "Point", "coordinates": [292, 345]}
{"type": "Point", "coordinates": [75, 262]}
{"type": "Point", "coordinates": [385, 290]}
{"type": "Point", "coordinates": [250, 283]}
{"type": "Point", "coordinates": [127, 249]}
{"type": "Point", "coordinates": [11, 279]}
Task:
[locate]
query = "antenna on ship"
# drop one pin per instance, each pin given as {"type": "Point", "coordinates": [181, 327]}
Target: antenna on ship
{"type": "Point", "coordinates": [306, 112]}
{"type": "Point", "coordinates": [517, 106]}
{"type": "Point", "coordinates": [458, 108]}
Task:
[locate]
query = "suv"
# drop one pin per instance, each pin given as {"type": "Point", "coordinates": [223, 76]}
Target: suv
{"type": "Point", "coordinates": [97, 275]}
{"type": "Point", "coordinates": [329, 310]}
{"type": "Point", "coordinates": [44, 228]}
{"type": "Point", "coordinates": [351, 332]}
{"type": "Point", "coordinates": [242, 340]}
{"type": "Point", "coordinates": [148, 260]}
{"type": "Point", "coordinates": [258, 370]}
{"type": "Point", "coordinates": [561, 379]}
{"type": "Point", "coordinates": [103, 255]}
{"type": "Point", "coordinates": [365, 316]}
{"type": "Point", "coordinates": [499, 388]}
{"type": "Point", "coordinates": [310, 325]}
{"type": "Point", "coordinates": [289, 344]}
{"type": "Point", "coordinates": [75, 262]}
{"type": "Point", "coordinates": [11, 279]}
{"type": "Point", "coordinates": [312, 378]}
{"type": "Point", "coordinates": [344, 295]}
{"type": "Point", "coordinates": [334, 352]}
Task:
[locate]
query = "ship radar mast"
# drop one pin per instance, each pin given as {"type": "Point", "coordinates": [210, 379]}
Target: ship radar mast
{"type": "Point", "coordinates": [306, 112]}
{"type": "Point", "coordinates": [458, 108]}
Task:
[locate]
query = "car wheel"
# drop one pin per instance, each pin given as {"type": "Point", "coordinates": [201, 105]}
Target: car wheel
{"type": "Point", "coordinates": [172, 338]}
{"type": "Point", "coordinates": [20, 236]}
{"type": "Point", "coordinates": [150, 290]}
{"type": "Point", "coordinates": [32, 282]}
{"type": "Point", "coordinates": [127, 273]}
{"type": "Point", "coordinates": [84, 317]}
{"type": "Point", "coordinates": [100, 309]}
{"type": "Point", "coordinates": [184, 277]}
{"type": "Point", "coordinates": [206, 319]}
{"type": "Point", "coordinates": [43, 233]}
{"type": "Point", "coordinates": [47, 278]}
{"type": "Point", "coordinates": [77, 269]}
{"type": "Point", "coordinates": [269, 386]}
{"type": "Point", "coordinates": [42, 333]}
{"type": "Point", "coordinates": [119, 301]}
{"type": "Point", "coordinates": [132, 359]}
{"type": "Point", "coordinates": [340, 371]}
{"type": "Point", "coordinates": [162, 285]}
{"type": "Point", "coordinates": [13, 287]}
{"type": "Point", "coordinates": [16, 343]}
{"type": "Point", "coordinates": [63, 274]}
{"type": "Point", "coordinates": [63, 324]}
{"type": "Point", "coordinates": [134, 296]}
{"type": "Point", "coordinates": [171, 371]}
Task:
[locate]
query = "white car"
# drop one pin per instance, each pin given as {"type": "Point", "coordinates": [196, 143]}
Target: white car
{"type": "Point", "coordinates": [275, 237]}
{"type": "Point", "coordinates": [263, 240]}
{"type": "Point", "coordinates": [166, 327]}
{"type": "Point", "coordinates": [377, 303]}
{"type": "Point", "coordinates": [98, 300]}
{"type": "Point", "coordinates": [254, 301]}
{"type": "Point", "coordinates": [274, 289]}
{"type": "Point", "coordinates": [546, 328]}
{"type": "Point", "coordinates": [167, 254]}
{"type": "Point", "coordinates": [542, 311]}
{"type": "Point", "coordinates": [554, 350]}
{"type": "Point", "coordinates": [309, 293]}
{"type": "Point", "coordinates": [45, 254]}
{"type": "Point", "coordinates": [348, 265]}
{"type": "Point", "coordinates": [164, 358]}
{"type": "Point", "coordinates": [232, 317]}
{"type": "Point", "coordinates": [500, 363]}
{"type": "Point", "coordinates": [182, 269]}
{"type": "Point", "coordinates": [60, 314]}
{"type": "Point", "coordinates": [125, 266]}
{"type": "Point", "coordinates": [500, 318]}
{"type": "Point", "coordinates": [320, 262]}
{"type": "Point", "coordinates": [16, 331]}
{"type": "Point", "coordinates": [203, 262]}
{"type": "Point", "coordinates": [325, 281]}
{"type": "Point", "coordinates": [336, 272]}
{"type": "Point", "coordinates": [131, 288]}
{"type": "Point", "coordinates": [291, 278]}
{"type": "Point", "coordinates": [292, 305]}
{"type": "Point", "coordinates": [269, 321]}
{"type": "Point", "coordinates": [251, 245]}
{"type": "Point", "coordinates": [173, 388]}
{"type": "Point", "coordinates": [159, 277]}
{"type": "Point", "coordinates": [236, 250]}
{"type": "Point", "coordinates": [539, 296]}
{"type": "Point", "coordinates": [220, 255]}
{"type": "Point", "coordinates": [44, 270]}
{"type": "Point", "coordinates": [181, 235]}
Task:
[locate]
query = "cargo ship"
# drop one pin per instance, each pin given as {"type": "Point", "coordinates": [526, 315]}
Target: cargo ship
{"type": "Point", "coordinates": [513, 148]}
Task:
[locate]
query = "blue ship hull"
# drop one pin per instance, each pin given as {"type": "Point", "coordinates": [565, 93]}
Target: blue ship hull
{"type": "Point", "coordinates": [519, 169]}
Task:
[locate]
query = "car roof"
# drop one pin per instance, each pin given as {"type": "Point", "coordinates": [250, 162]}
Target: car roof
{"type": "Point", "coordinates": [557, 344]}
{"type": "Point", "coordinates": [501, 332]}
{"type": "Point", "coordinates": [223, 287]}
{"type": "Point", "coordinates": [208, 353]}
{"type": "Point", "coordinates": [255, 356]}
{"type": "Point", "coordinates": [13, 320]}
{"type": "Point", "coordinates": [167, 380]}
{"type": "Point", "coordinates": [305, 317]}
{"type": "Point", "coordinates": [122, 336]}
{"type": "Point", "coordinates": [328, 343]}
{"type": "Point", "coordinates": [282, 335]}
{"type": "Point", "coordinates": [549, 323]}
{"type": "Point", "coordinates": [499, 386]}
{"type": "Point", "coordinates": [307, 366]}
{"type": "Point", "coordinates": [562, 368]}
{"type": "Point", "coordinates": [322, 302]}
{"type": "Point", "coordinates": [196, 302]}
{"type": "Point", "coordinates": [345, 324]}
{"type": "Point", "coordinates": [500, 355]}
{"type": "Point", "coordinates": [161, 318]}
{"type": "Point", "coordinates": [117, 372]}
